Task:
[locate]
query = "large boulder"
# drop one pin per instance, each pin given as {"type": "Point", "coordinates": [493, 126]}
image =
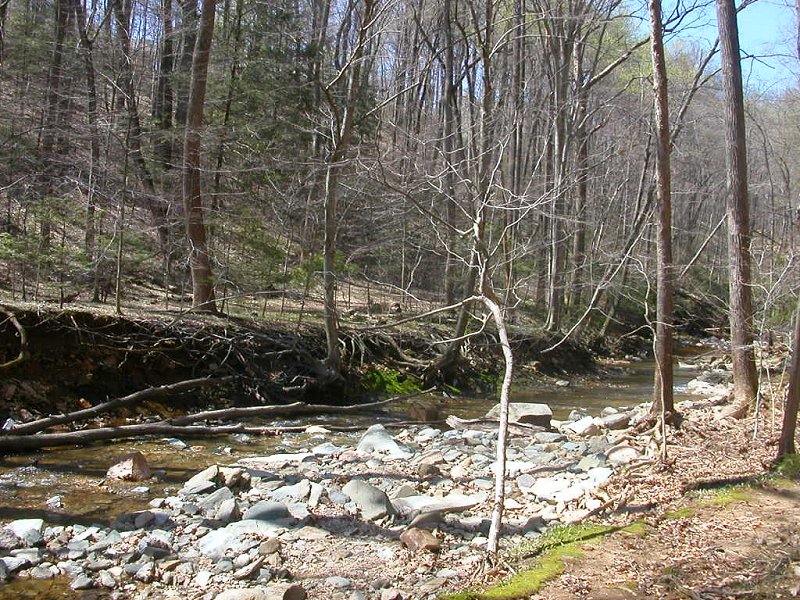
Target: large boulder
{"type": "Point", "coordinates": [526, 413]}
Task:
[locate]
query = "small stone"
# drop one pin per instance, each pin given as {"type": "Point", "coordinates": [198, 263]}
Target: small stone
{"type": "Point", "coordinates": [270, 512]}
{"type": "Point", "coordinates": [391, 594]}
{"type": "Point", "coordinates": [145, 573]}
{"type": "Point", "coordinates": [82, 582]}
{"type": "Point", "coordinates": [106, 580]}
{"type": "Point", "coordinates": [419, 539]}
{"type": "Point", "coordinates": [10, 540]}
{"type": "Point", "coordinates": [248, 571]}
{"type": "Point", "coordinates": [269, 546]}
{"type": "Point", "coordinates": [131, 467]}
{"type": "Point", "coordinates": [426, 471]}
{"type": "Point", "coordinates": [340, 583]}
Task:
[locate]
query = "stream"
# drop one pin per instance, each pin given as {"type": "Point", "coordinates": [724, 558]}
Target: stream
{"type": "Point", "coordinates": [27, 481]}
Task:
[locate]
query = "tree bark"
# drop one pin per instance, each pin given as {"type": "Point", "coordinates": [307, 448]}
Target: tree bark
{"type": "Point", "coordinates": [199, 261]}
{"type": "Point", "coordinates": [663, 405]}
{"type": "Point", "coordinates": [741, 304]}
{"type": "Point", "coordinates": [786, 443]}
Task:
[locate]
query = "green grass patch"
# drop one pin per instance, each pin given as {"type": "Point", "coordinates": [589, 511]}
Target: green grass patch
{"type": "Point", "coordinates": [789, 467]}
{"type": "Point", "coordinates": [724, 496]}
{"type": "Point", "coordinates": [551, 548]}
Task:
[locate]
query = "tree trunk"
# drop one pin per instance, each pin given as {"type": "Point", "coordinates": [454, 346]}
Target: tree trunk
{"type": "Point", "coordinates": [337, 160]}
{"type": "Point", "coordinates": [3, 13]}
{"type": "Point", "coordinates": [199, 262]}
{"type": "Point", "coordinates": [786, 443]}
{"type": "Point", "coordinates": [662, 396]}
{"type": "Point", "coordinates": [741, 304]}
{"type": "Point", "coordinates": [155, 204]}
{"type": "Point", "coordinates": [162, 103]}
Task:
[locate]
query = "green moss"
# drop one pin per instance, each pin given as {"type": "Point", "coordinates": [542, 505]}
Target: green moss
{"type": "Point", "coordinates": [789, 467]}
{"type": "Point", "coordinates": [637, 528]}
{"type": "Point", "coordinates": [560, 536]}
{"type": "Point", "coordinates": [681, 513]}
{"type": "Point", "coordinates": [389, 381]}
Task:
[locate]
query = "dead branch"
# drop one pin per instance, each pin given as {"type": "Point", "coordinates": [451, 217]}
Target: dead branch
{"type": "Point", "coordinates": [296, 408]}
{"type": "Point", "coordinates": [86, 436]}
{"type": "Point", "coordinates": [106, 407]}
{"type": "Point", "coordinates": [24, 353]}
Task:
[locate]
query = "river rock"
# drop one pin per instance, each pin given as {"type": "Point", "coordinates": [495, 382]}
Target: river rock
{"type": "Point", "coordinates": [373, 503]}
{"type": "Point", "coordinates": [27, 530]}
{"type": "Point", "coordinates": [298, 491]}
{"type": "Point", "coordinates": [418, 540]}
{"type": "Point", "coordinates": [556, 489]}
{"type": "Point", "coordinates": [5, 573]}
{"type": "Point", "coordinates": [378, 440]}
{"type": "Point", "coordinates": [340, 583]}
{"type": "Point", "coordinates": [229, 511]}
{"type": "Point", "coordinates": [590, 461]}
{"type": "Point", "coordinates": [274, 591]}
{"type": "Point", "coordinates": [9, 540]}
{"type": "Point", "coordinates": [622, 455]}
{"type": "Point", "coordinates": [131, 467]}
{"type": "Point", "coordinates": [234, 478]}
{"type": "Point", "coordinates": [585, 427]}
{"type": "Point", "coordinates": [82, 582]}
{"type": "Point", "coordinates": [549, 437]}
{"type": "Point", "coordinates": [236, 537]}
{"type": "Point", "coordinates": [327, 449]}
{"type": "Point", "coordinates": [529, 413]}
{"type": "Point", "coordinates": [211, 503]}
{"type": "Point", "coordinates": [268, 512]}
{"type": "Point", "coordinates": [616, 421]}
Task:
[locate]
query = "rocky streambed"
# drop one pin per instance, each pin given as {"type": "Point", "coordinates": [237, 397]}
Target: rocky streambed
{"type": "Point", "coordinates": [393, 515]}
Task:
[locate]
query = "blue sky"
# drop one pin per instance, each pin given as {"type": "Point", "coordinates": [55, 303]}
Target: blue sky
{"type": "Point", "coordinates": [767, 32]}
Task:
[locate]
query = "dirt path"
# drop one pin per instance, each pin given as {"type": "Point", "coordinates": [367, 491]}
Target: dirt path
{"type": "Point", "coordinates": [729, 543]}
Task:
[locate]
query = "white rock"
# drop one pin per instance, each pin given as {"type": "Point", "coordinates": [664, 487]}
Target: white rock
{"type": "Point", "coordinates": [586, 426]}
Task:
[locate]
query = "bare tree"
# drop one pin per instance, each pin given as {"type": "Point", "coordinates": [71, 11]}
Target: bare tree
{"type": "Point", "coordinates": [662, 400]}
{"type": "Point", "coordinates": [738, 205]}
{"type": "Point", "coordinates": [202, 275]}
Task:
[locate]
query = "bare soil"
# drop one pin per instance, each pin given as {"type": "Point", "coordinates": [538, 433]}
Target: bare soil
{"type": "Point", "coordinates": [716, 528]}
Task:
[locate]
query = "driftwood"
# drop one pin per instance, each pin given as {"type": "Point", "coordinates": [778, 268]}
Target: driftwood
{"type": "Point", "coordinates": [24, 353]}
{"type": "Point", "coordinates": [106, 407]}
{"type": "Point", "coordinates": [490, 425]}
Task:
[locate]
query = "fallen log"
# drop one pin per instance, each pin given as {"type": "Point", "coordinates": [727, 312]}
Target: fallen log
{"type": "Point", "coordinates": [87, 436]}
{"type": "Point", "coordinates": [182, 426]}
{"type": "Point", "coordinates": [89, 413]}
